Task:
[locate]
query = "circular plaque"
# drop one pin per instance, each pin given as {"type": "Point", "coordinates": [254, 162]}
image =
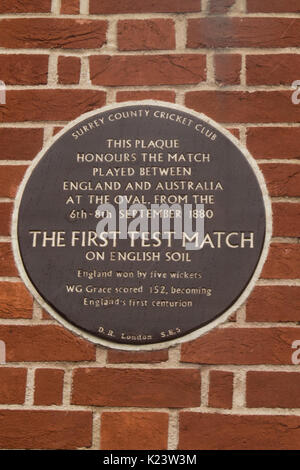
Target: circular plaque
{"type": "Point", "coordinates": [142, 225]}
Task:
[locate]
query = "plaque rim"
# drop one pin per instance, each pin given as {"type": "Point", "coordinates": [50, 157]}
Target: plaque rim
{"type": "Point", "coordinates": [189, 336]}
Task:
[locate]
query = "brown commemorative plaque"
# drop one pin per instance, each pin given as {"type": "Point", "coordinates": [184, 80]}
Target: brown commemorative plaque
{"type": "Point", "coordinates": [142, 225]}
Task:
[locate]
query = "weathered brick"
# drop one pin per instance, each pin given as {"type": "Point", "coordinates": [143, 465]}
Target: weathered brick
{"type": "Point", "coordinates": [24, 69]}
{"type": "Point", "coordinates": [136, 35]}
{"type": "Point", "coordinates": [172, 388]}
{"type": "Point", "coordinates": [46, 315]}
{"type": "Point", "coordinates": [232, 318]}
{"type": "Point", "coordinates": [30, 6]}
{"type": "Point", "coordinates": [274, 142]}
{"type": "Point", "coordinates": [7, 263]}
{"type": "Point", "coordinates": [138, 431]}
{"type": "Point", "coordinates": [56, 130]}
{"type": "Point", "coordinates": [117, 357]}
{"type": "Point", "coordinates": [168, 69]}
{"type": "Point", "coordinates": [286, 219]}
{"type": "Point", "coordinates": [44, 343]}
{"type": "Point", "coordinates": [15, 300]}
{"type": "Point", "coordinates": [20, 144]}
{"type": "Point", "coordinates": [273, 389]}
{"type": "Point", "coordinates": [283, 262]}
{"type": "Point", "coordinates": [6, 209]}
{"type": "Point", "coordinates": [144, 6]}
{"type": "Point", "coordinates": [138, 95]}
{"type": "Point", "coordinates": [272, 69]}
{"type": "Point", "coordinates": [10, 179]}
{"type": "Point", "coordinates": [220, 32]}
{"type": "Point", "coordinates": [220, 389]}
{"type": "Point", "coordinates": [233, 432]}
{"type": "Point", "coordinates": [48, 388]}
{"type": "Point", "coordinates": [228, 69]}
{"type": "Point", "coordinates": [35, 429]}
{"type": "Point", "coordinates": [274, 304]}
{"type": "Point", "coordinates": [69, 7]}
{"type": "Point", "coordinates": [273, 6]}
{"type": "Point", "coordinates": [282, 179]}
{"type": "Point", "coordinates": [220, 6]}
{"type": "Point", "coordinates": [54, 105]}
{"type": "Point", "coordinates": [242, 346]}
{"type": "Point", "coordinates": [68, 70]}
{"type": "Point", "coordinates": [12, 385]}
{"type": "Point", "coordinates": [235, 132]}
{"type": "Point", "coordinates": [240, 106]}
{"type": "Point", "coordinates": [61, 33]}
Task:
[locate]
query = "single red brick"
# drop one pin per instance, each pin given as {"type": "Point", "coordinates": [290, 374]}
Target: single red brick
{"type": "Point", "coordinates": [274, 142]}
{"type": "Point", "coordinates": [46, 315]}
{"type": "Point", "coordinates": [15, 300]}
{"type": "Point", "coordinates": [222, 31]}
{"type": "Point", "coordinates": [172, 388]}
{"type": "Point", "coordinates": [240, 106]}
{"type": "Point", "coordinates": [272, 69]}
{"type": "Point", "coordinates": [286, 219]}
{"type": "Point", "coordinates": [220, 6]}
{"type": "Point", "coordinates": [274, 304]}
{"type": "Point", "coordinates": [69, 70]}
{"type": "Point", "coordinates": [209, 431]}
{"type": "Point", "coordinates": [69, 7]}
{"type": "Point", "coordinates": [136, 35]}
{"type": "Point", "coordinates": [24, 69]}
{"type": "Point", "coordinates": [235, 132]}
{"type": "Point", "coordinates": [134, 431]}
{"type": "Point", "coordinates": [232, 318]}
{"type": "Point", "coordinates": [20, 144]}
{"type": "Point", "coordinates": [273, 389]}
{"type": "Point", "coordinates": [10, 179]}
{"type": "Point", "coordinates": [165, 69]}
{"type": "Point", "coordinates": [220, 389]}
{"type": "Point", "coordinates": [44, 343]}
{"type": "Point", "coordinates": [117, 357]}
{"type": "Point", "coordinates": [56, 130]}
{"type": "Point", "coordinates": [53, 105]}
{"type": "Point", "coordinates": [143, 6]}
{"type": "Point", "coordinates": [48, 386]}
{"type": "Point", "coordinates": [242, 346]}
{"type": "Point", "coordinates": [52, 33]}
{"type": "Point", "coordinates": [12, 385]}
{"type": "Point", "coordinates": [282, 179]}
{"type": "Point", "coordinates": [283, 262]}
{"type": "Point", "coordinates": [30, 6]}
{"type": "Point", "coordinates": [7, 262]}
{"type": "Point", "coordinates": [273, 6]}
{"type": "Point", "coordinates": [35, 429]}
{"type": "Point", "coordinates": [6, 209]}
{"type": "Point", "coordinates": [162, 95]}
{"type": "Point", "coordinates": [228, 69]}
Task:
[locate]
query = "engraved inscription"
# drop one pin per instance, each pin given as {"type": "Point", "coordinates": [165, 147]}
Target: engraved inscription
{"type": "Point", "coordinates": [141, 224]}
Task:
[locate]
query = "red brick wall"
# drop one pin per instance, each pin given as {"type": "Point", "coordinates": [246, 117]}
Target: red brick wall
{"type": "Point", "coordinates": [234, 60]}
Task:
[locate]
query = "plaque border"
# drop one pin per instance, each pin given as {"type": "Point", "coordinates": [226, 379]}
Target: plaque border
{"type": "Point", "coordinates": [189, 336]}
